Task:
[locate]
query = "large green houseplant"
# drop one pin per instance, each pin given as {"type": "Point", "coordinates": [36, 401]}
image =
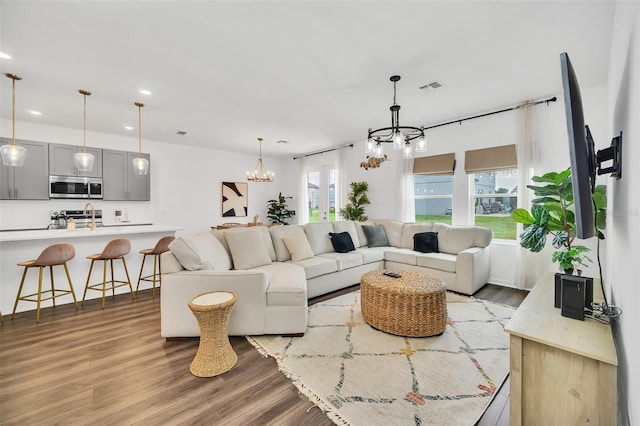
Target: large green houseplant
{"type": "Point", "coordinates": [354, 210]}
{"type": "Point", "coordinates": [552, 213]}
{"type": "Point", "coordinates": [277, 210]}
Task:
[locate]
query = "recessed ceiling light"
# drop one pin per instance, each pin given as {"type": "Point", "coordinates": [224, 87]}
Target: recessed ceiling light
{"type": "Point", "coordinates": [128, 127]}
{"type": "Point", "coordinates": [32, 112]}
{"type": "Point", "coordinates": [4, 56]}
{"type": "Point", "coordinates": [145, 92]}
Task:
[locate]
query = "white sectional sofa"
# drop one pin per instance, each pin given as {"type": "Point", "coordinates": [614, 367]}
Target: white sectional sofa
{"type": "Point", "coordinates": [273, 271]}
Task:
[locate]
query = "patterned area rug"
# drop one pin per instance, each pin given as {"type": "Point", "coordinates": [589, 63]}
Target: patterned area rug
{"type": "Point", "coordinates": [361, 376]}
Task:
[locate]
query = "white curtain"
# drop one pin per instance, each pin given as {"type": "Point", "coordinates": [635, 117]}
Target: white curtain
{"type": "Point", "coordinates": [302, 214]}
{"type": "Point", "coordinates": [342, 187]}
{"type": "Point", "coordinates": [407, 201]}
{"type": "Point", "coordinates": [528, 264]}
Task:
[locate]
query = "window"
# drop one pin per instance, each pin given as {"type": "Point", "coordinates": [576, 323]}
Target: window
{"type": "Point", "coordinates": [433, 198]}
{"type": "Point", "coordinates": [495, 197]}
{"type": "Point", "coordinates": [321, 184]}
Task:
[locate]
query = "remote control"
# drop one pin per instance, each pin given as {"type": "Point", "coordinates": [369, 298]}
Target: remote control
{"type": "Point", "coordinates": [392, 274]}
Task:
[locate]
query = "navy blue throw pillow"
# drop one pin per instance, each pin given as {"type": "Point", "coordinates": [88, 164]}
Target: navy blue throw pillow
{"type": "Point", "coordinates": [342, 242]}
{"type": "Point", "coordinates": [426, 242]}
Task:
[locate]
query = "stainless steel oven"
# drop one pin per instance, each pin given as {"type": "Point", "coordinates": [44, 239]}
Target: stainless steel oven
{"type": "Point", "coordinates": [75, 187]}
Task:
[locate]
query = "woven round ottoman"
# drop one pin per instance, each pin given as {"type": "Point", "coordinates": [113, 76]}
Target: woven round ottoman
{"type": "Point", "coordinates": [413, 305]}
{"type": "Point", "coordinates": [215, 354]}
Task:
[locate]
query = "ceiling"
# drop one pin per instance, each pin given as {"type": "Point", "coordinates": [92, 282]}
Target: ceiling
{"type": "Point", "coordinates": [312, 73]}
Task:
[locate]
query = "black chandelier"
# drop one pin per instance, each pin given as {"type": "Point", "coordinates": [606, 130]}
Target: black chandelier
{"type": "Point", "coordinates": [400, 136]}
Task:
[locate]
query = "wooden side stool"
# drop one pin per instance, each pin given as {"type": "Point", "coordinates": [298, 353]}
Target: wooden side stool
{"type": "Point", "coordinates": [215, 354]}
{"type": "Point", "coordinates": [114, 250]}
{"type": "Point", "coordinates": [161, 246]}
{"type": "Point", "coordinates": [53, 255]}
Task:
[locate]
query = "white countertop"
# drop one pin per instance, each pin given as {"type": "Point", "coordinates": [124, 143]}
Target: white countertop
{"type": "Point", "coordinates": [56, 234]}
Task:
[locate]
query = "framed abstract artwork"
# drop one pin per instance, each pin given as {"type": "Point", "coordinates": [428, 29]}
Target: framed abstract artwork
{"type": "Point", "coordinates": [235, 199]}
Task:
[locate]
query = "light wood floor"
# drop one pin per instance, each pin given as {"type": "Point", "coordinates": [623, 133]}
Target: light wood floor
{"type": "Point", "coordinates": [111, 367]}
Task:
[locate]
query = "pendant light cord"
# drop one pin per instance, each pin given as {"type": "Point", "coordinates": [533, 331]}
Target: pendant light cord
{"type": "Point", "coordinates": [84, 94]}
{"type": "Point", "coordinates": [139, 105]}
{"type": "Point", "coordinates": [13, 106]}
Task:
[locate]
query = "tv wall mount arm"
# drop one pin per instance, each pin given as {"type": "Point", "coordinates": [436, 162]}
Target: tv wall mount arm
{"type": "Point", "coordinates": [613, 153]}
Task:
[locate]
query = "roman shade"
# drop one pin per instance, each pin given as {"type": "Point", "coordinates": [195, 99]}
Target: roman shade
{"type": "Point", "coordinates": [443, 164]}
{"type": "Point", "coordinates": [490, 159]}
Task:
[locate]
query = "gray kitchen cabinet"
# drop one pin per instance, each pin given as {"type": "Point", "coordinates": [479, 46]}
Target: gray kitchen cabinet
{"type": "Point", "coordinates": [61, 161]}
{"type": "Point", "coordinates": [120, 182]}
{"type": "Point", "coordinates": [31, 181]}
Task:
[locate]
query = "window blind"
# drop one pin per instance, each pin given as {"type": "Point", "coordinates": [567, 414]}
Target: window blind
{"type": "Point", "coordinates": [490, 159]}
{"type": "Point", "coordinates": [443, 164]}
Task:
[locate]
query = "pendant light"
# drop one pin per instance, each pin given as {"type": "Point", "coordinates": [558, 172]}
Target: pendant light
{"type": "Point", "coordinates": [12, 154]}
{"type": "Point", "coordinates": [84, 161]}
{"type": "Point", "coordinates": [259, 174]}
{"type": "Point", "coordinates": [140, 164]}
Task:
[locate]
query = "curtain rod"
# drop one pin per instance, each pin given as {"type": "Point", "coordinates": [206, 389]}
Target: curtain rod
{"type": "Point", "coordinates": [322, 152]}
{"type": "Point", "coordinates": [460, 120]}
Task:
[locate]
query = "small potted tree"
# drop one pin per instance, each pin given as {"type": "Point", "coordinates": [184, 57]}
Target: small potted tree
{"type": "Point", "coordinates": [551, 214]}
{"type": "Point", "coordinates": [278, 212]}
{"type": "Point", "coordinates": [354, 210]}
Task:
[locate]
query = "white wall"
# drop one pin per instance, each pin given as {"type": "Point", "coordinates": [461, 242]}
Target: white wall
{"type": "Point", "coordinates": [495, 130]}
{"type": "Point", "coordinates": [623, 268]}
{"type": "Point", "coordinates": [185, 183]}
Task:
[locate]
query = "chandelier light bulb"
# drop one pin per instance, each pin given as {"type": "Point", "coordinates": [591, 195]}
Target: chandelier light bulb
{"type": "Point", "coordinates": [398, 140]}
{"type": "Point", "coordinates": [368, 148]}
{"type": "Point", "coordinates": [421, 145]}
{"type": "Point", "coordinates": [379, 150]}
{"type": "Point", "coordinates": [407, 153]}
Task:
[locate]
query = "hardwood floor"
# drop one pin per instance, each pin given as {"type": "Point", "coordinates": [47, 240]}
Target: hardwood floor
{"type": "Point", "coordinates": [111, 367]}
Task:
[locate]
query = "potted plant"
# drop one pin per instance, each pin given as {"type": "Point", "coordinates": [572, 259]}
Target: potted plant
{"type": "Point", "coordinates": [277, 210]}
{"type": "Point", "coordinates": [551, 213]}
{"type": "Point", "coordinates": [354, 210]}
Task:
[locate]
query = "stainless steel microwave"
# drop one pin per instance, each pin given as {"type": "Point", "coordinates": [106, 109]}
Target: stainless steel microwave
{"type": "Point", "coordinates": [75, 187]}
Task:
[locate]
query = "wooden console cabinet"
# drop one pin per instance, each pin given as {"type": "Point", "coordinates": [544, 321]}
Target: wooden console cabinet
{"type": "Point", "coordinates": [563, 371]}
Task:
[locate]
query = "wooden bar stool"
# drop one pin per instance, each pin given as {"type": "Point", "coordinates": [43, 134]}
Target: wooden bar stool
{"type": "Point", "coordinates": [161, 246]}
{"type": "Point", "coordinates": [115, 249]}
{"type": "Point", "coordinates": [53, 255]}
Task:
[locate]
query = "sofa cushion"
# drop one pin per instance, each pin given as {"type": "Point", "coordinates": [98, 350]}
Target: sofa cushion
{"type": "Point", "coordinates": [376, 235]}
{"type": "Point", "coordinates": [317, 266]}
{"type": "Point", "coordinates": [347, 226]}
{"type": "Point", "coordinates": [362, 238]}
{"type": "Point", "coordinates": [400, 255]}
{"type": "Point", "coordinates": [412, 228]}
{"type": "Point", "coordinates": [454, 239]}
{"type": "Point", "coordinates": [200, 251]}
{"type": "Point", "coordinates": [318, 236]}
{"type": "Point", "coordinates": [426, 242]}
{"type": "Point", "coordinates": [440, 261]}
{"type": "Point", "coordinates": [287, 284]}
{"type": "Point", "coordinates": [264, 231]}
{"type": "Point", "coordinates": [345, 260]}
{"type": "Point", "coordinates": [393, 229]}
{"type": "Point", "coordinates": [371, 254]}
{"type": "Point", "coordinates": [341, 242]}
{"type": "Point", "coordinates": [247, 249]}
{"type": "Point", "coordinates": [298, 247]}
{"type": "Point", "coordinates": [277, 233]}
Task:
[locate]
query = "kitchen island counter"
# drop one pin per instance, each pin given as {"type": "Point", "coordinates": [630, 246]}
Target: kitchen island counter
{"type": "Point", "coordinates": [20, 245]}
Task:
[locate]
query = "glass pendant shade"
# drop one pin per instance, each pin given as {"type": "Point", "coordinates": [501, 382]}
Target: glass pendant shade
{"type": "Point", "coordinates": [140, 166]}
{"type": "Point", "coordinates": [368, 147]}
{"type": "Point", "coordinates": [421, 145]}
{"type": "Point", "coordinates": [379, 150]}
{"type": "Point", "coordinates": [13, 155]}
{"type": "Point", "coordinates": [398, 140]}
{"type": "Point", "coordinates": [407, 152]}
{"type": "Point", "coordinates": [84, 161]}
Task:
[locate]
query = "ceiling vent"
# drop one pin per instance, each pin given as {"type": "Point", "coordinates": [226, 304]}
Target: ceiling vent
{"type": "Point", "coordinates": [181, 132]}
{"type": "Point", "coordinates": [434, 85]}
{"type": "Point", "coordinates": [282, 141]}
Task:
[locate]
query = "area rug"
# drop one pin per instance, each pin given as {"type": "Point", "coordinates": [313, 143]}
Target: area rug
{"type": "Point", "coordinates": [362, 376]}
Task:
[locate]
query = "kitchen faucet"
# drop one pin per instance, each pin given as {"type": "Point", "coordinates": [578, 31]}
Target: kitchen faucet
{"type": "Point", "coordinates": [93, 215]}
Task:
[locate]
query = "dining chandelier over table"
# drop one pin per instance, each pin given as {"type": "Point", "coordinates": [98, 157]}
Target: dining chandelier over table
{"type": "Point", "coordinates": [399, 136]}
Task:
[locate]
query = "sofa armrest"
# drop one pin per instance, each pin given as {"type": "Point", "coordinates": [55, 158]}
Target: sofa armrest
{"type": "Point", "coordinates": [247, 315]}
{"type": "Point", "coordinates": [472, 269]}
